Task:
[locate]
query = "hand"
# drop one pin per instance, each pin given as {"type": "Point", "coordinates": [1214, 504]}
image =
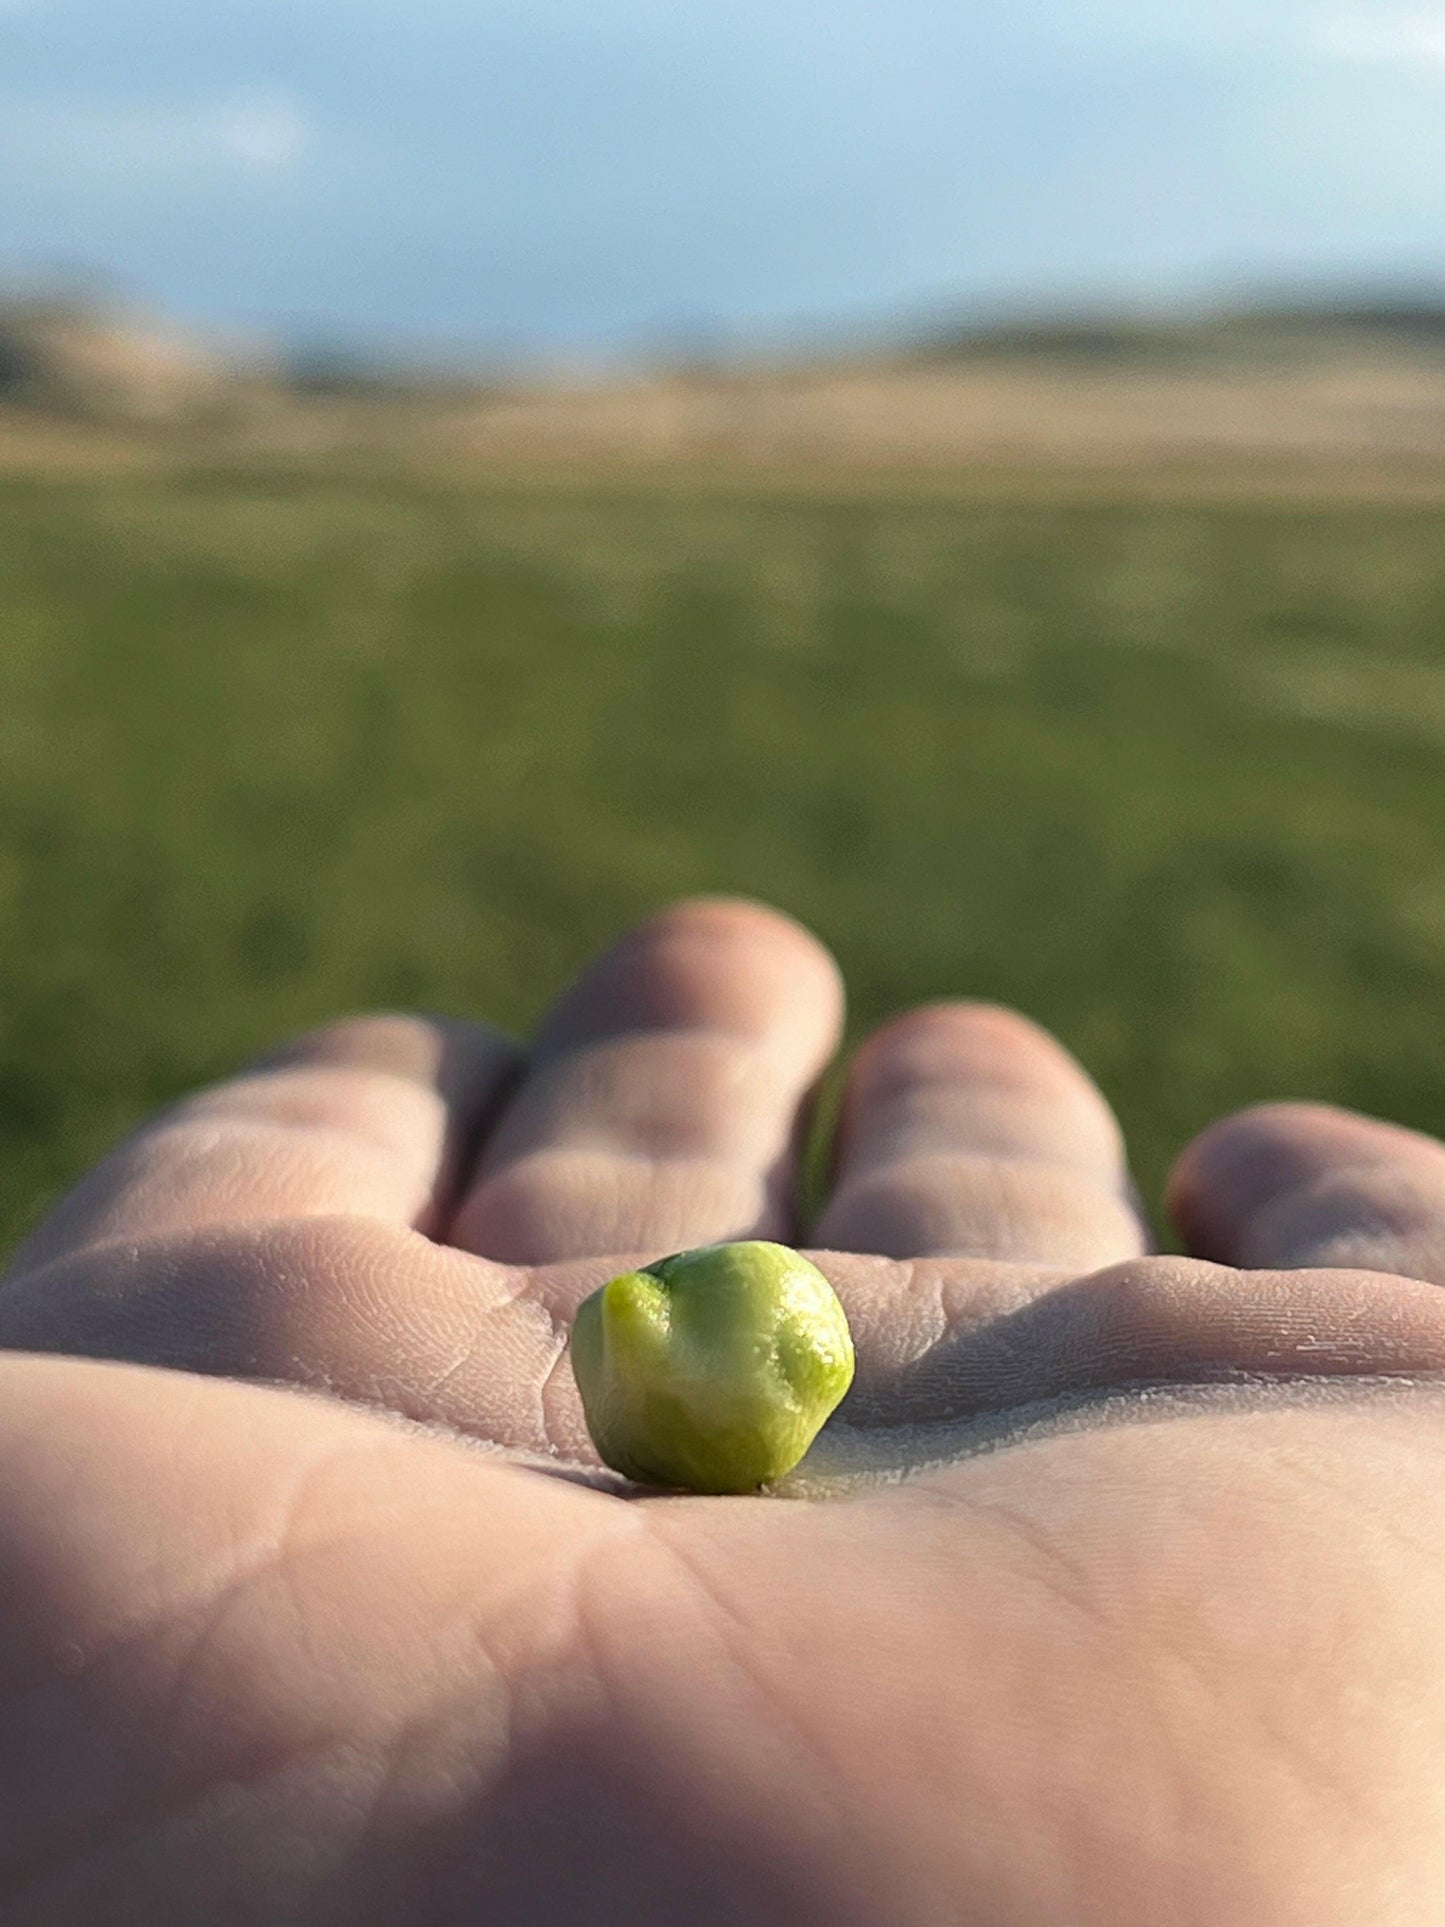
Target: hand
{"type": "Point", "coordinates": [378, 1641]}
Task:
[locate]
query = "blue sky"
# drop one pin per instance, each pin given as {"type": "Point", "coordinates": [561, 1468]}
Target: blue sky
{"type": "Point", "coordinates": [585, 174]}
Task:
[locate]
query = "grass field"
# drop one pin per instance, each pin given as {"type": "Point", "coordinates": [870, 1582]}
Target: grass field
{"type": "Point", "coordinates": [1168, 777]}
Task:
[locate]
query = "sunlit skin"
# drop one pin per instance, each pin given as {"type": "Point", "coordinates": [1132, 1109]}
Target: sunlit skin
{"type": "Point", "coordinates": [374, 1638]}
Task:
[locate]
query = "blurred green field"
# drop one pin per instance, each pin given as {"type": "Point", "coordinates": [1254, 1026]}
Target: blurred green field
{"type": "Point", "coordinates": [1167, 777]}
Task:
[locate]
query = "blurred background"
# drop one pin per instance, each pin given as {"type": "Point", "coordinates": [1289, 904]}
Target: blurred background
{"type": "Point", "coordinates": [974, 478]}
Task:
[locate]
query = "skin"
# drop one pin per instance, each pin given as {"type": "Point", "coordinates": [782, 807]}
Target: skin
{"type": "Point", "coordinates": [373, 1638]}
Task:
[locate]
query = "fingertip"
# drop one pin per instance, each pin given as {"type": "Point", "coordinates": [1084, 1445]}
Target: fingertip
{"type": "Point", "coordinates": [722, 907]}
{"type": "Point", "coordinates": [1243, 1167]}
{"type": "Point", "coordinates": [941, 1039]}
{"type": "Point", "coordinates": [745, 921]}
{"type": "Point", "coordinates": [668, 1093]}
{"type": "Point", "coordinates": [952, 1048]}
{"type": "Point", "coordinates": [421, 1046]}
{"type": "Point", "coordinates": [375, 1114]}
{"type": "Point", "coordinates": [966, 1128]}
{"type": "Point", "coordinates": [1244, 1155]}
{"type": "Point", "coordinates": [717, 963]}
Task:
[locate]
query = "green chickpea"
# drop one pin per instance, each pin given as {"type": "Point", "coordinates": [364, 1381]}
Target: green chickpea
{"type": "Point", "coordinates": [713, 1370]}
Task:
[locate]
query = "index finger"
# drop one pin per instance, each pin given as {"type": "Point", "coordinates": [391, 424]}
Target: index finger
{"type": "Point", "coordinates": [374, 1116]}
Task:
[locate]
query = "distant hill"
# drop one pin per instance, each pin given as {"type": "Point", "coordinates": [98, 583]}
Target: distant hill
{"type": "Point", "coordinates": [1347, 388]}
{"type": "Point", "coordinates": [77, 360]}
{"type": "Point", "coordinates": [1255, 333]}
{"type": "Point", "coordinates": [82, 360]}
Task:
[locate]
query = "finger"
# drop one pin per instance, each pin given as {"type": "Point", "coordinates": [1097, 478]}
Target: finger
{"type": "Point", "coordinates": [377, 1316]}
{"type": "Point", "coordinates": [358, 1309]}
{"type": "Point", "coordinates": [666, 1099]}
{"type": "Point", "coordinates": [1298, 1185]}
{"type": "Point", "coordinates": [968, 1131]}
{"type": "Point", "coordinates": [954, 1357]}
{"type": "Point", "coordinates": [938, 1342]}
{"type": "Point", "coordinates": [373, 1115]}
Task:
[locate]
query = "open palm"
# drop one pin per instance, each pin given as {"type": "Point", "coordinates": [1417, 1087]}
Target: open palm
{"type": "Point", "coordinates": [1115, 1594]}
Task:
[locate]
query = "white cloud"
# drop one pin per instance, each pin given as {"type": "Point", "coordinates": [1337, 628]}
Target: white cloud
{"type": "Point", "coordinates": [1413, 39]}
{"type": "Point", "coordinates": [262, 132]}
{"type": "Point", "coordinates": [241, 133]}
